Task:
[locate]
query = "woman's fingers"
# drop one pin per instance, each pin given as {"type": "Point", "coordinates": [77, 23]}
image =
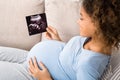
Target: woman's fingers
{"type": "Point", "coordinates": [42, 66]}
{"type": "Point", "coordinates": [36, 72]}
{"type": "Point", "coordinates": [52, 34]}
{"type": "Point", "coordinates": [52, 29]}
{"type": "Point", "coordinates": [35, 63]}
{"type": "Point", "coordinates": [31, 71]}
{"type": "Point", "coordinates": [31, 67]}
{"type": "Point", "coordinates": [47, 35]}
{"type": "Point", "coordinates": [31, 63]}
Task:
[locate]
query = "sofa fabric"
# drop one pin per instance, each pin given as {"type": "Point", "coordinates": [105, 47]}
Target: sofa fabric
{"type": "Point", "coordinates": [13, 27]}
{"type": "Point", "coordinates": [13, 55]}
{"type": "Point", "coordinates": [112, 71]}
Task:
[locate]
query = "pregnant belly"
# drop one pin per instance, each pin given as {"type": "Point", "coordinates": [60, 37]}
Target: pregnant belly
{"type": "Point", "coordinates": [48, 52]}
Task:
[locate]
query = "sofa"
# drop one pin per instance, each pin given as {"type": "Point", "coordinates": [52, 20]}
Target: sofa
{"type": "Point", "coordinates": [13, 29]}
{"type": "Point", "coordinates": [61, 14]}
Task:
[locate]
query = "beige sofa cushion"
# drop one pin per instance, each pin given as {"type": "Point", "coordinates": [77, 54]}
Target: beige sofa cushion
{"type": "Point", "coordinates": [63, 15]}
{"type": "Point", "coordinates": [13, 28]}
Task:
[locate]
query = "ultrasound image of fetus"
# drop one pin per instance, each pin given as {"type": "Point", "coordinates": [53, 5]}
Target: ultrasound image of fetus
{"type": "Point", "coordinates": [36, 24]}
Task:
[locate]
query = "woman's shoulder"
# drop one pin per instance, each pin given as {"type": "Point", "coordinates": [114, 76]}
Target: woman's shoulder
{"type": "Point", "coordinates": [78, 39]}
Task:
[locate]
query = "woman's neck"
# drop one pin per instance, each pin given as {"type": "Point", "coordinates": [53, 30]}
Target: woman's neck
{"type": "Point", "coordinates": [98, 45]}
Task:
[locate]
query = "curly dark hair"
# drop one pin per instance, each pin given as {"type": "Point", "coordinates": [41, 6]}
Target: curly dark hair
{"type": "Point", "coordinates": [107, 15]}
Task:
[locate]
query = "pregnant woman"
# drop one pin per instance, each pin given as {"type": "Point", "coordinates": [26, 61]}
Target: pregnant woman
{"type": "Point", "coordinates": [84, 57]}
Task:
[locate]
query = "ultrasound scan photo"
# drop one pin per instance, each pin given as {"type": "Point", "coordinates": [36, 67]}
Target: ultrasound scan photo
{"type": "Point", "coordinates": [36, 23]}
